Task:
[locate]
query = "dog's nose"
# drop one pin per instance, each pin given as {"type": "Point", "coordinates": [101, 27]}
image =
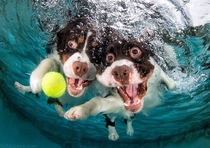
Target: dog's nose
{"type": "Point", "coordinates": [121, 74]}
{"type": "Point", "coordinates": [80, 68]}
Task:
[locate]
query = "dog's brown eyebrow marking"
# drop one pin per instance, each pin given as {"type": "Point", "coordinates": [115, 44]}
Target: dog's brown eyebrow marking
{"type": "Point", "coordinates": [80, 40]}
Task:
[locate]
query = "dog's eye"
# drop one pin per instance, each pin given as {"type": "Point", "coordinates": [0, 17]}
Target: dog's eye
{"type": "Point", "coordinates": [72, 44]}
{"type": "Point", "coordinates": [110, 58]}
{"type": "Point", "coordinates": [135, 52]}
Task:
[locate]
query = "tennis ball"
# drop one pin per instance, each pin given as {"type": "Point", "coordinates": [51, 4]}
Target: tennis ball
{"type": "Point", "coordinates": [53, 84]}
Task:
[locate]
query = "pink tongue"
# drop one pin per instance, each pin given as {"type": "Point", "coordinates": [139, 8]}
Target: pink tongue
{"type": "Point", "coordinates": [80, 81]}
{"type": "Point", "coordinates": [131, 90]}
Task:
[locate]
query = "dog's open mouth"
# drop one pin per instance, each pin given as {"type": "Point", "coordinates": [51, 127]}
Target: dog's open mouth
{"type": "Point", "coordinates": [133, 96]}
{"type": "Point", "coordinates": [76, 86]}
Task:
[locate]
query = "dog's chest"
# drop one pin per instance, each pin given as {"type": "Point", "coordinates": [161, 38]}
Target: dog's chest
{"type": "Point", "coordinates": [155, 78]}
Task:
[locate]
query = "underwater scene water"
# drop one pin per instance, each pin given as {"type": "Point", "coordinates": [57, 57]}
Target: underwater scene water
{"type": "Point", "coordinates": [28, 27]}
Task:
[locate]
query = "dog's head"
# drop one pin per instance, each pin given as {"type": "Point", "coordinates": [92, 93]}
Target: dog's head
{"type": "Point", "coordinates": [78, 48]}
{"type": "Point", "coordinates": [126, 66]}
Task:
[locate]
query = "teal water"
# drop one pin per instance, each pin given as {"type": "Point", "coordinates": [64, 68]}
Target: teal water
{"type": "Point", "coordinates": [27, 27]}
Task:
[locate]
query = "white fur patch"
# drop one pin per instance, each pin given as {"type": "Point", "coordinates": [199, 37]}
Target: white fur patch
{"type": "Point", "coordinates": [108, 80]}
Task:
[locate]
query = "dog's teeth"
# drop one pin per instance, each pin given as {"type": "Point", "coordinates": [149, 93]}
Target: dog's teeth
{"type": "Point", "coordinates": [79, 88]}
{"type": "Point", "coordinates": [126, 104]}
{"type": "Point", "coordinates": [139, 101]}
{"type": "Point", "coordinates": [118, 87]}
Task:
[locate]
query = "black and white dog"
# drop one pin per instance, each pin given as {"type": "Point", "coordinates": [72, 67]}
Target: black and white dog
{"type": "Point", "coordinates": [77, 57]}
{"type": "Point", "coordinates": [133, 76]}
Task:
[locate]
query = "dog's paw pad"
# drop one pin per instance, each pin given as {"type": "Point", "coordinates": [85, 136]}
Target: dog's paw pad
{"type": "Point", "coordinates": [68, 116]}
{"type": "Point", "coordinates": [77, 116]}
{"type": "Point", "coordinates": [80, 116]}
{"type": "Point", "coordinates": [73, 117]}
{"type": "Point", "coordinates": [76, 113]}
{"type": "Point", "coordinates": [113, 136]}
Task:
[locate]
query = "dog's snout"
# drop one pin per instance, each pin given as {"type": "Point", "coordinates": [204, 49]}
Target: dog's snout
{"type": "Point", "coordinates": [121, 74]}
{"type": "Point", "coordinates": [80, 68]}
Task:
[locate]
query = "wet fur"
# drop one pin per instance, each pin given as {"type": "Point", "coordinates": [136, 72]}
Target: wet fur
{"type": "Point", "coordinates": [113, 105]}
{"type": "Point", "coordinates": [86, 48]}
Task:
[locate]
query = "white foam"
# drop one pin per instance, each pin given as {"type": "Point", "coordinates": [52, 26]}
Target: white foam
{"type": "Point", "coordinates": [198, 11]}
{"type": "Point", "coordinates": [186, 83]}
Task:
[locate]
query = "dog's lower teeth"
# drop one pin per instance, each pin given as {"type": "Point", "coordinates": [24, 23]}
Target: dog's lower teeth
{"type": "Point", "coordinates": [126, 104]}
{"type": "Point", "coordinates": [79, 88]}
{"type": "Point", "coordinates": [139, 101]}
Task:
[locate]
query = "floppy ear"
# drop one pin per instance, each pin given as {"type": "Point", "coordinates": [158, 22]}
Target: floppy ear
{"type": "Point", "coordinates": [109, 30]}
{"type": "Point", "coordinates": [61, 35]}
{"type": "Point", "coordinates": [109, 36]}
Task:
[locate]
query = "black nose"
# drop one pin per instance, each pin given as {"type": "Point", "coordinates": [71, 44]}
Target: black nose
{"type": "Point", "coordinates": [121, 74]}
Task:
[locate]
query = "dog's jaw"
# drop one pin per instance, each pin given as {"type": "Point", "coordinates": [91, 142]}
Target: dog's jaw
{"type": "Point", "coordinates": [77, 86]}
{"type": "Point", "coordinates": [133, 96]}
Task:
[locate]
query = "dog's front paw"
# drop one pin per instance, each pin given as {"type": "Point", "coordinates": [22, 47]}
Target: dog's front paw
{"type": "Point", "coordinates": [113, 135]}
{"type": "Point", "coordinates": [172, 85]}
{"type": "Point", "coordinates": [77, 112]}
{"type": "Point", "coordinates": [129, 130]}
{"type": "Point", "coordinates": [21, 88]}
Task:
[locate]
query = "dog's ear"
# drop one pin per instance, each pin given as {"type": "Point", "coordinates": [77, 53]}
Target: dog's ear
{"type": "Point", "coordinates": [61, 39]}
{"type": "Point", "coordinates": [109, 36]}
{"type": "Point", "coordinates": [109, 30]}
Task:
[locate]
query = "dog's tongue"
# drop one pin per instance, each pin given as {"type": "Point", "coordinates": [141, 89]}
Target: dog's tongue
{"type": "Point", "coordinates": [131, 90]}
{"type": "Point", "coordinates": [76, 82]}
{"type": "Point", "coordinates": [80, 81]}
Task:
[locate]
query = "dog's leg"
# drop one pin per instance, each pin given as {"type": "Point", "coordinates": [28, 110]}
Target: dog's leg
{"type": "Point", "coordinates": [59, 109]}
{"type": "Point", "coordinates": [58, 106]}
{"type": "Point", "coordinates": [170, 55]}
{"type": "Point", "coordinates": [22, 88]}
{"type": "Point", "coordinates": [113, 135]}
{"type": "Point", "coordinates": [36, 77]}
{"type": "Point", "coordinates": [110, 124]}
{"type": "Point", "coordinates": [171, 85]}
{"type": "Point", "coordinates": [129, 128]}
{"type": "Point", "coordinates": [110, 104]}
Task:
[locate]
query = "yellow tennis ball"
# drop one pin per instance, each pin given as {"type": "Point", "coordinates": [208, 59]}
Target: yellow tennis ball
{"type": "Point", "coordinates": [53, 84]}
